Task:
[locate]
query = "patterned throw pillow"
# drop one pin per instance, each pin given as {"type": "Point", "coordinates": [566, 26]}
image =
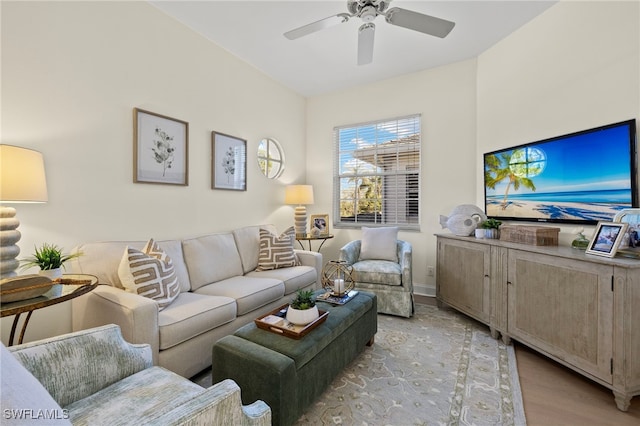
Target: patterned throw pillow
{"type": "Point", "coordinates": [277, 252]}
{"type": "Point", "coordinates": [149, 273]}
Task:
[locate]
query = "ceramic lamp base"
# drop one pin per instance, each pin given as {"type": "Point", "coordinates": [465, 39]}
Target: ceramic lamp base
{"type": "Point", "coordinates": [300, 218]}
{"type": "Point", "coordinates": [9, 236]}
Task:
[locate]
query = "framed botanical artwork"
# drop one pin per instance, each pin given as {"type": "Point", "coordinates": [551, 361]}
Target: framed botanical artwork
{"type": "Point", "coordinates": [160, 149]}
{"type": "Point", "coordinates": [228, 162]}
{"type": "Point", "coordinates": [607, 238]}
{"type": "Point", "coordinates": [319, 224]}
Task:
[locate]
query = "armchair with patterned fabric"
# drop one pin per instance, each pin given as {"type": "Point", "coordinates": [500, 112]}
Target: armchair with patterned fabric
{"type": "Point", "coordinates": [382, 265]}
{"type": "Point", "coordinates": [94, 377]}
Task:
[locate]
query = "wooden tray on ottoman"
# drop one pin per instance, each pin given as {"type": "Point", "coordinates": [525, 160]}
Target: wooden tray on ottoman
{"type": "Point", "coordinates": [275, 323]}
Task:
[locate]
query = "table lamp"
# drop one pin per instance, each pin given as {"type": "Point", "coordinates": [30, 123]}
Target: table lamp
{"type": "Point", "coordinates": [299, 195]}
{"type": "Point", "coordinates": [22, 180]}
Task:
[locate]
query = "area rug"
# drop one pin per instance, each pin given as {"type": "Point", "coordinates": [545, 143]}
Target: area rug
{"type": "Point", "coordinates": [437, 368]}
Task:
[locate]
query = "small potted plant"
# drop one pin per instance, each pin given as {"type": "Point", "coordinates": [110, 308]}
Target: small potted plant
{"type": "Point", "coordinates": [491, 227]}
{"type": "Point", "coordinates": [50, 259]}
{"type": "Point", "coordinates": [302, 309]}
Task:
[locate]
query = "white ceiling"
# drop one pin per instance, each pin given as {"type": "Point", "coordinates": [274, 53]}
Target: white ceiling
{"type": "Point", "coordinates": [325, 61]}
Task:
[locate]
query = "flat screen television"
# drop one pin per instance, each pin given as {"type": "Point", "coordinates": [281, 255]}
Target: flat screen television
{"type": "Point", "coordinates": [582, 177]}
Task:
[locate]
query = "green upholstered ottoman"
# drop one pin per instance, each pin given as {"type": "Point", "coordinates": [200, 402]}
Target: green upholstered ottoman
{"type": "Point", "coordinates": [289, 374]}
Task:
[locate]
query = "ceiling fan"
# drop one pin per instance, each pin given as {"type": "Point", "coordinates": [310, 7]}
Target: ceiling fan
{"type": "Point", "coordinates": [368, 10]}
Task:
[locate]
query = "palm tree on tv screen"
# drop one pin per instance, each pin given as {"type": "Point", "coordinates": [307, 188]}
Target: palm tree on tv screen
{"type": "Point", "coordinates": [518, 166]}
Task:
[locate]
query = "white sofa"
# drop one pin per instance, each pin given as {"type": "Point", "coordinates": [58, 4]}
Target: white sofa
{"type": "Point", "coordinates": [220, 291]}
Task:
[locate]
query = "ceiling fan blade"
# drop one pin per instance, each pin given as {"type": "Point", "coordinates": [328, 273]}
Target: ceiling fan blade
{"type": "Point", "coordinates": [317, 26]}
{"type": "Point", "coordinates": [419, 22]}
{"type": "Point", "coordinates": [365, 43]}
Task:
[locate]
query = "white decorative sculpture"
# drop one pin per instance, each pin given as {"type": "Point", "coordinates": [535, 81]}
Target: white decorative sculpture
{"type": "Point", "coordinates": [463, 220]}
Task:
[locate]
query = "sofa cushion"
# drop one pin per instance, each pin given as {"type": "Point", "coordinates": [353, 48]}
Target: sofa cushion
{"type": "Point", "coordinates": [22, 391]}
{"type": "Point", "coordinates": [191, 315]}
{"type": "Point", "coordinates": [211, 258]}
{"type": "Point", "coordinates": [378, 272]}
{"type": "Point", "coordinates": [149, 273]}
{"type": "Point", "coordinates": [103, 258]}
{"type": "Point", "coordinates": [248, 243]}
{"type": "Point", "coordinates": [294, 278]}
{"type": "Point", "coordinates": [250, 293]}
{"type": "Point", "coordinates": [379, 244]}
{"type": "Point", "coordinates": [137, 399]}
{"type": "Point", "coordinates": [277, 251]}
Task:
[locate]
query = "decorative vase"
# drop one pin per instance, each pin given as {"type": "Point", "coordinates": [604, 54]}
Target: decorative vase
{"type": "Point", "coordinates": [480, 234]}
{"type": "Point", "coordinates": [302, 317]}
{"type": "Point", "coordinates": [52, 274]}
{"type": "Point", "coordinates": [580, 242]}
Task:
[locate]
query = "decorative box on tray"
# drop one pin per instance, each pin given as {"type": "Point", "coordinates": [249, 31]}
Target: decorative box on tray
{"type": "Point", "coordinates": [531, 235]}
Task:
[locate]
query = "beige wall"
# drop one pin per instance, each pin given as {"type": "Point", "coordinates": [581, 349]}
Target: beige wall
{"type": "Point", "coordinates": [574, 67]}
{"type": "Point", "coordinates": [72, 72]}
{"type": "Point", "coordinates": [446, 99]}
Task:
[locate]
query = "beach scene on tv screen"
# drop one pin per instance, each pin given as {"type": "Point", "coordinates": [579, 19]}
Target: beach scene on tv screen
{"type": "Point", "coordinates": [585, 176]}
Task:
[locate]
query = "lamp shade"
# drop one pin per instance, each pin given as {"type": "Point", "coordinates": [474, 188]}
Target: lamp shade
{"type": "Point", "coordinates": [22, 178]}
{"type": "Point", "coordinates": [298, 194]}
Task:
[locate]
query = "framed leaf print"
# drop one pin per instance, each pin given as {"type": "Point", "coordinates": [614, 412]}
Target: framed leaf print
{"type": "Point", "coordinates": [229, 162]}
{"type": "Point", "coordinates": [160, 149]}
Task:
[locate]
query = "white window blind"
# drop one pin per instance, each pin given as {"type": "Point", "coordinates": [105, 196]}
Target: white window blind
{"type": "Point", "coordinates": [377, 173]}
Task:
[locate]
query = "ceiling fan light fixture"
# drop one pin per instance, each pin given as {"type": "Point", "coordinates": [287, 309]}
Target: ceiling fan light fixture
{"type": "Point", "coordinates": [366, 34]}
{"type": "Point", "coordinates": [368, 14]}
{"type": "Point", "coordinates": [368, 11]}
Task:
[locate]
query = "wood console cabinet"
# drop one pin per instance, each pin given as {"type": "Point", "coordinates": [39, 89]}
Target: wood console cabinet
{"type": "Point", "coordinates": [582, 311]}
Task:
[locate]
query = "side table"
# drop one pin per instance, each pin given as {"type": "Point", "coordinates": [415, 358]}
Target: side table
{"type": "Point", "coordinates": [59, 293]}
{"type": "Point", "coordinates": [310, 237]}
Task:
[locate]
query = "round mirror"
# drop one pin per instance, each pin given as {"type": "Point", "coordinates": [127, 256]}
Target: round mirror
{"type": "Point", "coordinates": [270, 158]}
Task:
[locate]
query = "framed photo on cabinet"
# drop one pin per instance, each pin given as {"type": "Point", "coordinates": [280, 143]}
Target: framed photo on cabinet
{"type": "Point", "coordinates": [630, 244]}
{"type": "Point", "coordinates": [607, 238]}
{"type": "Point", "coordinates": [160, 149]}
{"type": "Point", "coordinates": [228, 162]}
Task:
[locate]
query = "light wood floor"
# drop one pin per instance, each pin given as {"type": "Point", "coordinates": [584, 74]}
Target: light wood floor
{"type": "Point", "coordinates": [554, 395]}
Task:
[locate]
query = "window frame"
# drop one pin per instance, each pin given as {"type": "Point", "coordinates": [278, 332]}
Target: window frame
{"type": "Point", "coordinates": [404, 211]}
{"type": "Point", "coordinates": [269, 160]}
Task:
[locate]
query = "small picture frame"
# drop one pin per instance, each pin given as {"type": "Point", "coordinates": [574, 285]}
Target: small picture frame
{"type": "Point", "coordinates": [319, 225]}
{"type": "Point", "coordinates": [160, 149]}
{"type": "Point", "coordinates": [228, 162]}
{"type": "Point", "coordinates": [606, 239]}
{"type": "Point", "coordinates": [630, 243]}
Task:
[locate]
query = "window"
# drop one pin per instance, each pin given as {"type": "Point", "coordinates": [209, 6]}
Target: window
{"type": "Point", "coordinates": [270, 158]}
{"type": "Point", "coordinates": [377, 173]}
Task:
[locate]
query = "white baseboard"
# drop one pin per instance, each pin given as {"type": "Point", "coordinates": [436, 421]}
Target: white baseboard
{"type": "Point", "coordinates": [424, 290]}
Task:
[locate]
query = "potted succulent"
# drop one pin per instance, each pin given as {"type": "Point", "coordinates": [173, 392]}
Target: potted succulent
{"type": "Point", "coordinates": [491, 227]}
{"type": "Point", "coordinates": [302, 309]}
{"type": "Point", "coordinates": [50, 259]}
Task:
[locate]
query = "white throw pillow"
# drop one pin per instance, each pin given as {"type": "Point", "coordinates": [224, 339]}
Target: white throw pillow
{"type": "Point", "coordinates": [149, 273]}
{"type": "Point", "coordinates": [379, 244]}
{"type": "Point", "coordinates": [277, 251]}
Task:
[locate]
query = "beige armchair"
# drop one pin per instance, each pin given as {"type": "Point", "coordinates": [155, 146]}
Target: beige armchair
{"type": "Point", "coordinates": [389, 277]}
{"type": "Point", "coordinates": [93, 377]}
